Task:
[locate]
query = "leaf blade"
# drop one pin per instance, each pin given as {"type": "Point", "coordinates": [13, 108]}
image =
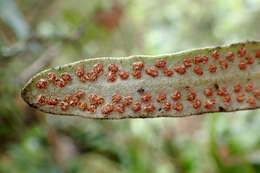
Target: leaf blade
{"type": "Point", "coordinates": [153, 81]}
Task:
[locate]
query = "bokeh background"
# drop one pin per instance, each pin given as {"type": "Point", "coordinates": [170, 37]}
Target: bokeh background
{"type": "Point", "coordinates": [37, 34]}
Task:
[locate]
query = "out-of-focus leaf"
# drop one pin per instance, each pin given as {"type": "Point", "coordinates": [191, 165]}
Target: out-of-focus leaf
{"type": "Point", "coordinates": [13, 17]}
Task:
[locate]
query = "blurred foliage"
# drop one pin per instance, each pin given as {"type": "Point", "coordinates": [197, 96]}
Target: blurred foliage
{"type": "Point", "coordinates": [37, 34]}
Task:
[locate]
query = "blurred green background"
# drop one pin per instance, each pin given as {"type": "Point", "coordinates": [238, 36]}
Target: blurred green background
{"type": "Point", "coordinates": [37, 34]}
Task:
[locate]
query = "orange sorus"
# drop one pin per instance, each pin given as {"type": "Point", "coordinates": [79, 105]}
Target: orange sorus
{"type": "Point", "coordinates": [249, 87]}
{"type": "Point", "coordinates": [136, 107]}
{"type": "Point", "coordinates": [240, 98]}
{"type": "Point", "coordinates": [91, 75]}
{"type": "Point", "coordinates": [167, 71]}
{"type": "Point", "coordinates": [191, 96]}
{"type": "Point", "coordinates": [149, 108]}
{"type": "Point", "coordinates": [204, 59]}
{"type": "Point", "coordinates": [41, 84]}
{"type": "Point", "coordinates": [180, 69]}
{"type": "Point", "coordinates": [210, 103]}
{"type": "Point", "coordinates": [200, 59]}
{"type": "Point", "coordinates": [111, 77]}
{"type": "Point", "coordinates": [208, 92]}
{"type": "Point", "coordinates": [250, 59]}
{"type": "Point", "coordinates": [176, 95]}
{"type": "Point", "coordinates": [215, 54]}
{"type": "Point", "coordinates": [92, 108]}
{"type": "Point", "coordinates": [237, 88]}
{"type": "Point", "coordinates": [116, 98]}
{"type": "Point", "coordinates": [113, 68]}
{"type": "Point", "coordinates": [100, 100]}
{"type": "Point", "coordinates": [161, 97]}
{"type": "Point", "coordinates": [152, 71]}
{"type": "Point", "coordinates": [178, 106]}
{"type": "Point", "coordinates": [166, 106]}
{"type": "Point", "coordinates": [98, 68]}
{"type": "Point", "coordinates": [52, 101]}
{"type": "Point", "coordinates": [83, 106]}
{"type": "Point", "coordinates": [107, 109]}
{"type": "Point", "coordinates": [127, 100]}
{"type": "Point", "coordinates": [92, 98]}
{"type": "Point", "coordinates": [223, 64]}
{"type": "Point", "coordinates": [160, 63]}
{"type": "Point", "coordinates": [212, 68]}
{"type": "Point", "coordinates": [256, 93]}
{"type": "Point", "coordinates": [41, 99]}
{"type": "Point", "coordinates": [64, 106]}
{"type": "Point", "coordinates": [187, 62]}
{"type": "Point", "coordinates": [74, 101]}
{"type": "Point", "coordinates": [241, 52]}
{"type": "Point", "coordinates": [79, 94]}
{"type": "Point", "coordinates": [196, 104]}
{"type": "Point", "coordinates": [66, 77]}
{"type": "Point", "coordinates": [197, 70]}
{"type": "Point", "coordinates": [146, 97]}
{"type": "Point", "coordinates": [79, 70]}
{"type": "Point", "coordinates": [251, 101]}
{"type": "Point", "coordinates": [60, 83]}
{"type": "Point", "coordinates": [83, 78]}
{"type": "Point", "coordinates": [138, 65]}
{"type": "Point", "coordinates": [242, 65]}
{"type": "Point", "coordinates": [68, 98]}
{"type": "Point", "coordinates": [137, 74]}
{"type": "Point", "coordinates": [222, 91]}
{"type": "Point", "coordinates": [230, 56]}
{"type": "Point", "coordinates": [227, 99]}
{"type": "Point", "coordinates": [123, 74]}
{"type": "Point", "coordinates": [51, 76]}
{"type": "Point", "coordinates": [119, 108]}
